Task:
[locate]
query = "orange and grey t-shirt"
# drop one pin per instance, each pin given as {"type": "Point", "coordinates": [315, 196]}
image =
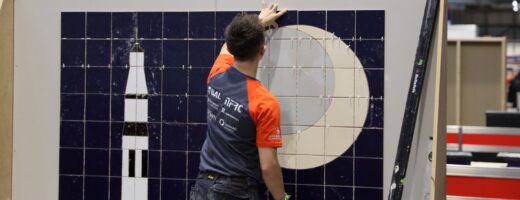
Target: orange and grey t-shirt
{"type": "Point", "coordinates": [242, 115]}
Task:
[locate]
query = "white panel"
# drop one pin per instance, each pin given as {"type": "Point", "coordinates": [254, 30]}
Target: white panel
{"type": "Point", "coordinates": [338, 140]}
{"type": "Point", "coordinates": [311, 141]}
{"type": "Point", "coordinates": [131, 82]}
{"type": "Point", "coordinates": [287, 111]}
{"type": "Point", "coordinates": [137, 59]}
{"type": "Point", "coordinates": [142, 110]}
{"type": "Point", "coordinates": [130, 110]}
{"type": "Point", "coordinates": [126, 162]}
{"type": "Point", "coordinates": [141, 81]}
{"type": "Point", "coordinates": [341, 54]}
{"type": "Point", "coordinates": [309, 161]}
{"type": "Point", "coordinates": [283, 81]}
{"type": "Point", "coordinates": [129, 142]}
{"type": "Point", "coordinates": [361, 111]}
{"type": "Point", "coordinates": [289, 139]}
{"type": "Point", "coordinates": [340, 112]}
{"type": "Point", "coordinates": [141, 142]}
{"type": "Point", "coordinates": [345, 82]}
{"type": "Point", "coordinates": [282, 53]}
{"type": "Point", "coordinates": [138, 163]}
{"type": "Point", "coordinates": [128, 188]}
{"type": "Point", "coordinates": [361, 84]}
{"type": "Point", "coordinates": [310, 52]}
{"type": "Point", "coordinates": [311, 82]}
{"type": "Point", "coordinates": [141, 188]}
{"type": "Point", "coordinates": [311, 111]}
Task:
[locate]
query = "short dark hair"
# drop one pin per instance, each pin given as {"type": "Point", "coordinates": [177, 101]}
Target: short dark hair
{"type": "Point", "coordinates": [244, 36]}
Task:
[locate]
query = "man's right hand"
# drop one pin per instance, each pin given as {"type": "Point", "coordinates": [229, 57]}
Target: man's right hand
{"type": "Point", "coordinates": [269, 14]}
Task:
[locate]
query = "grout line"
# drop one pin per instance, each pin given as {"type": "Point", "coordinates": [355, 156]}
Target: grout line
{"type": "Point", "coordinates": [84, 107]}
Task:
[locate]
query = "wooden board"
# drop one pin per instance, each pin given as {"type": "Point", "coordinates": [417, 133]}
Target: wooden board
{"type": "Point", "coordinates": [6, 97]}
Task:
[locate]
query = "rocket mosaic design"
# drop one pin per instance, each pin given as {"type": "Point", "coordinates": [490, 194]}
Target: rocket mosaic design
{"type": "Point", "coordinates": [133, 102]}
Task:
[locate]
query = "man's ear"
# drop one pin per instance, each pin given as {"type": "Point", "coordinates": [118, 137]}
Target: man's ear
{"type": "Point", "coordinates": [262, 50]}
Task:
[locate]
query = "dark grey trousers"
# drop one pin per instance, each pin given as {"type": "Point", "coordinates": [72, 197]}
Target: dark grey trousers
{"type": "Point", "coordinates": [218, 187]}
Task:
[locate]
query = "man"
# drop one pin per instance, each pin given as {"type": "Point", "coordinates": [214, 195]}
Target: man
{"type": "Point", "coordinates": [243, 134]}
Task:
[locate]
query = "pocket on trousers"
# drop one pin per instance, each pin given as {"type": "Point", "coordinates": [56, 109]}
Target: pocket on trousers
{"type": "Point", "coordinates": [236, 191]}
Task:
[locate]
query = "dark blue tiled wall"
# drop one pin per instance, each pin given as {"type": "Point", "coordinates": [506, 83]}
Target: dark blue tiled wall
{"type": "Point", "coordinates": [180, 48]}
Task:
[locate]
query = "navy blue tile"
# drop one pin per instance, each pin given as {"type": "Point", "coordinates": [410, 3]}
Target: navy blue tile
{"type": "Point", "coordinates": [309, 192]}
{"type": "Point", "coordinates": [152, 52]}
{"type": "Point", "coordinates": [201, 53]}
{"type": "Point", "coordinates": [116, 134]}
{"type": "Point", "coordinates": [98, 107]}
{"type": "Point", "coordinates": [97, 134]}
{"type": "Point", "coordinates": [289, 175]}
{"type": "Point", "coordinates": [96, 188]}
{"type": "Point", "coordinates": [154, 138]}
{"type": "Point", "coordinates": [175, 81]}
{"type": "Point", "coordinates": [222, 21]}
{"type": "Point", "coordinates": [121, 52]}
{"type": "Point", "coordinates": [116, 157]}
{"type": "Point", "coordinates": [375, 114]}
{"type": "Point", "coordinates": [71, 187]}
{"type": "Point", "coordinates": [218, 47]}
{"type": "Point", "coordinates": [193, 164]}
{"type": "Point", "coordinates": [196, 136]}
{"type": "Point", "coordinates": [174, 109]}
{"type": "Point", "coordinates": [342, 23]}
{"type": "Point", "coordinates": [202, 25]}
{"type": "Point", "coordinates": [339, 193]}
{"type": "Point", "coordinates": [153, 77]}
{"type": "Point", "coordinates": [289, 18]}
{"type": "Point", "coordinates": [173, 164]}
{"type": "Point", "coordinates": [149, 24]}
{"type": "Point", "coordinates": [368, 172]}
{"type": "Point", "coordinates": [71, 161]}
{"type": "Point", "coordinates": [73, 52]}
{"type": "Point", "coordinates": [174, 137]}
{"type": "Point", "coordinates": [96, 162]}
{"type": "Point", "coordinates": [115, 188]}
{"type": "Point", "coordinates": [175, 25]}
{"type": "Point", "coordinates": [173, 189]}
{"type": "Point", "coordinates": [154, 164]}
{"type": "Point", "coordinates": [339, 172]}
{"type": "Point", "coordinates": [198, 81]}
{"type": "Point", "coordinates": [98, 52]}
{"type": "Point", "coordinates": [117, 107]}
{"type": "Point", "coordinates": [197, 109]}
{"type": "Point", "coordinates": [71, 134]}
{"type": "Point", "coordinates": [72, 106]}
{"type": "Point", "coordinates": [370, 143]}
{"type": "Point", "coordinates": [154, 108]}
{"type": "Point", "coordinates": [175, 53]}
{"type": "Point", "coordinates": [368, 193]}
{"type": "Point", "coordinates": [370, 24]}
{"type": "Point", "coordinates": [98, 24]}
{"type": "Point", "coordinates": [98, 80]}
{"type": "Point", "coordinates": [371, 53]}
{"type": "Point", "coordinates": [376, 79]}
{"type": "Point", "coordinates": [119, 78]}
{"type": "Point", "coordinates": [72, 79]}
{"type": "Point", "coordinates": [154, 188]}
{"type": "Point", "coordinates": [312, 18]}
{"type": "Point", "coordinates": [124, 25]}
{"type": "Point", "coordinates": [73, 25]}
{"type": "Point", "coordinates": [310, 176]}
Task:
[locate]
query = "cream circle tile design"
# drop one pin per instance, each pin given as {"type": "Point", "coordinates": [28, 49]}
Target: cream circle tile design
{"type": "Point", "coordinates": [328, 115]}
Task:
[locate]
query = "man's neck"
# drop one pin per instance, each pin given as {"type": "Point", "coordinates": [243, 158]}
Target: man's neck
{"type": "Point", "coordinates": [247, 67]}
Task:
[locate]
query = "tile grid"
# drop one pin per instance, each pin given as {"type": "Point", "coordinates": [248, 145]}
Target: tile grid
{"type": "Point", "coordinates": [85, 108]}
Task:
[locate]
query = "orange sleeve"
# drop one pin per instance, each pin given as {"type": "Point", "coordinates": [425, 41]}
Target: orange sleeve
{"type": "Point", "coordinates": [222, 63]}
{"type": "Point", "coordinates": [265, 112]}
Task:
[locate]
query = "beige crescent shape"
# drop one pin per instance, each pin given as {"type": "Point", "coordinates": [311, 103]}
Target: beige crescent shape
{"type": "Point", "coordinates": [317, 146]}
